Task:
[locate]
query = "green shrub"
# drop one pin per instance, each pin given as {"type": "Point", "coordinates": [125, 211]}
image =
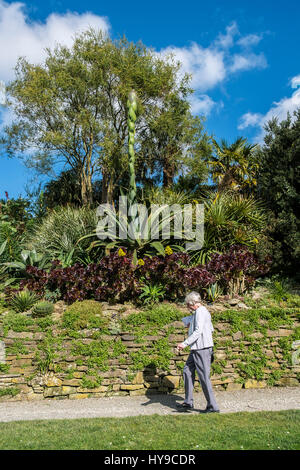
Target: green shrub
{"type": "Point", "coordinates": [11, 391]}
{"type": "Point", "coordinates": [83, 314]}
{"type": "Point", "coordinates": [152, 293]}
{"type": "Point", "coordinates": [153, 317]}
{"type": "Point", "coordinates": [42, 309]}
{"type": "Point", "coordinates": [16, 322]}
{"type": "Point", "coordinates": [57, 234]}
{"type": "Point", "coordinates": [23, 300]}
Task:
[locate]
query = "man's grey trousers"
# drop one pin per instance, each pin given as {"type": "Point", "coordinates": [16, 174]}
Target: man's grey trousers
{"type": "Point", "coordinates": [199, 360]}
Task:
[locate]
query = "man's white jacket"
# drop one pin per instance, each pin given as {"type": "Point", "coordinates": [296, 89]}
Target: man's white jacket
{"type": "Point", "coordinates": [200, 330]}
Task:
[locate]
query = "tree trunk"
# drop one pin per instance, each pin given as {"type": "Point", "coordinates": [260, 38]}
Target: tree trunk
{"type": "Point", "coordinates": [168, 173]}
{"type": "Point", "coordinates": [86, 189]}
{"type": "Point", "coordinates": [226, 182]}
{"type": "Point", "coordinates": [108, 187]}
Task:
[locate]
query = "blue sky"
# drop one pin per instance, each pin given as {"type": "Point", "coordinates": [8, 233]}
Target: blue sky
{"type": "Point", "coordinates": [243, 55]}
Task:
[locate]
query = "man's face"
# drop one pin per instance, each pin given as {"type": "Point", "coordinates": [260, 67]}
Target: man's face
{"type": "Point", "coordinates": [193, 307]}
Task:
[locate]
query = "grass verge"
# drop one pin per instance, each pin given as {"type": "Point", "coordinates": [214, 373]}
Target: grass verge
{"type": "Point", "coordinates": [233, 431]}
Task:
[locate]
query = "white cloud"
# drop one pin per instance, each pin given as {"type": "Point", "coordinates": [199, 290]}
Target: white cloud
{"type": "Point", "coordinates": [206, 65]}
{"type": "Point", "coordinates": [250, 40]}
{"type": "Point", "coordinates": [295, 82]}
{"type": "Point", "coordinates": [211, 66]}
{"type": "Point", "coordinates": [20, 36]}
{"type": "Point", "coordinates": [279, 110]}
{"type": "Point", "coordinates": [202, 104]}
{"type": "Point", "coordinates": [247, 62]}
{"type": "Point", "coordinates": [250, 119]}
{"type": "Point", "coordinates": [225, 41]}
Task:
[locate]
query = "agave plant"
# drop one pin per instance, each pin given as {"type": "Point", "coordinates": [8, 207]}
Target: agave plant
{"type": "Point", "coordinates": [23, 300]}
{"type": "Point", "coordinates": [213, 292]}
{"type": "Point", "coordinates": [140, 234]}
{"type": "Point", "coordinates": [18, 267]}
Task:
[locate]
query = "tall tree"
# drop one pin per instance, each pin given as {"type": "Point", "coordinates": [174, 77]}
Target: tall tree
{"type": "Point", "coordinates": [175, 142]}
{"type": "Point", "coordinates": [278, 185]}
{"type": "Point", "coordinates": [71, 109]}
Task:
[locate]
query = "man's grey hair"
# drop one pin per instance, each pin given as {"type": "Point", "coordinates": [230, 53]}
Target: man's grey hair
{"type": "Point", "coordinates": [193, 298]}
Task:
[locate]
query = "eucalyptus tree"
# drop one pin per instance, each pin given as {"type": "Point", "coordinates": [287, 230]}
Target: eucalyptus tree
{"type": "Point", "coordinates": [175, 143]}
{"type": "Point", "coordinates": [71, 109]}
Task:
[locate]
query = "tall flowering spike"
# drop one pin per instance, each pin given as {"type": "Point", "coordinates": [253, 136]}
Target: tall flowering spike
{"type": "Point", "coordinates": [132, 107]}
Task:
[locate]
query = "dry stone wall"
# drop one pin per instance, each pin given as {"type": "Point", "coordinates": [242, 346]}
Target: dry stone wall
{"type": "Point", "coordinates": [30, 371]}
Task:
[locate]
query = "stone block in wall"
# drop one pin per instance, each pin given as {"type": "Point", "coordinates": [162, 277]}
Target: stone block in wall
{"type": "Point", "coordinates": [126, 337]}
{"type": "Point", "coordinates": [288, 382]}
{"type": "Point", "coordinates": [54, 391]}
{"type": "Point", "coordinates": [131, 387]}
{"type": "Point", "coordinates": [171, 381]}
{"type": "Point", "coordinates": [273, 364]}
{"type": "Point", "coordinates": [176, 338]}
{"type": "Point", "coordinates": [280, 332]}
{"type": "Point", "coordinates": [256, 335]}
{"type": "Point", "coordinates": [163, 389]}
{"type": "Point", "coordinates": [175, 324]}
{"type": "Point", "coordinates": [100, 389]}
{"type": "Point", "coordinates": [19, 380]}
{"type": "Point", "coordinates": [71, 382]}
{"type": "Point", "coordinates": [139, 392]}
{"type": "Point", "coordinates": [22, 371]}
{"type": "Point", "coordinates": [152, 378]}
{"type": "Point", "coordinates": [139, 378]}
{"type": "Point", "coordinates": [114, 373]}
{"type": "Point", "coordinates": [233, 386]}
{"type": "Point", "coordinates": [8, 376]}
{"type": "Point", "coordinates": [220, 354]}
{"type": "Point", "coordinates": [50, 380]}
{"type": "Point", "coordinates": [68, 390]}
{"type": "Point", "coordinates": [78, 396]}
{"type": "Point", "coordinates": [32, 396]}
{"type": "Point", "coordinates": [19, 335]}
{"type": "Point", "coordinates": [225, 338]}
{"type": "Point", "coordinates": [252, 383]}
{"type": "Point", "coordinates": [221, 326]}
{"type": "Point", "coordinates": [269, 353]}
{"type": "Point", "coordinates": [151, 384]}
{"type": "Point", "coordinates": [221, 381]}
{"type": "Point", "coordinates": [237, 336]}
{"type": "Point", "coordinates": [78, 375]}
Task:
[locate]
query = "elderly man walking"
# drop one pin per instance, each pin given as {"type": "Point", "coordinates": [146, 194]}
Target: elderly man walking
{"type": "Point", "coordinates": [201, 343]}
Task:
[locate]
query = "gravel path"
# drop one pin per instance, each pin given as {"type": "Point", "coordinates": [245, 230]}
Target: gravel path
{"type": "Point", "coordinates": [268, 399]}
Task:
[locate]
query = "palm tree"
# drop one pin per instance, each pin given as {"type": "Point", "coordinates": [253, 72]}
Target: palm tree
{"type": "Point", "coordinates": [234, 166]}
{"type": "Point", "coordinates": [230, 218]}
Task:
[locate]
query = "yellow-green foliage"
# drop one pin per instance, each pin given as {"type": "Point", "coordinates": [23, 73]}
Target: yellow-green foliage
{"type": "Point", "coordinates": [83, 314]}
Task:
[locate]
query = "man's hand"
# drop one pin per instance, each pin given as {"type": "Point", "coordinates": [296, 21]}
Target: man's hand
{"type": "Point", "coordinates": [180, 346]}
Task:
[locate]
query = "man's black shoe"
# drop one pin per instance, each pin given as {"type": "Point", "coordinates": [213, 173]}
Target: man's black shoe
{"type": "Point", "coordinates": [209, 410]}
{"type": "Point", "coordinates": [184, 407]}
